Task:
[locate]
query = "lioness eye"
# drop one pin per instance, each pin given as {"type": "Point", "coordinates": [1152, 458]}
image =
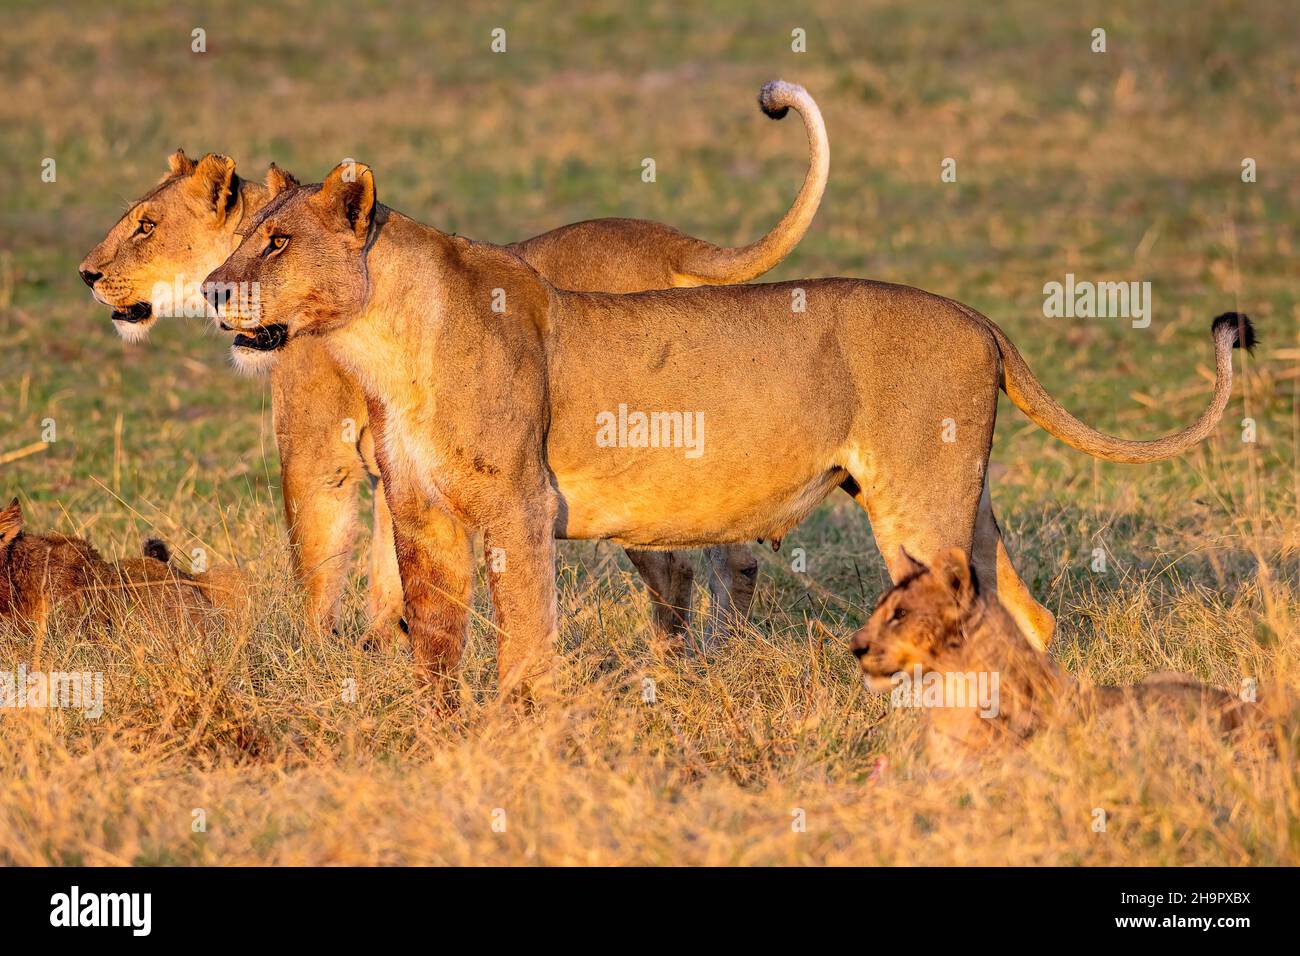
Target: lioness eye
{"type": "Point", "coordinates": [898, 615]}
{"type": "Point", "coordinates": [145, 227]}
{"type": "Point", "coordinates": [276, 244]}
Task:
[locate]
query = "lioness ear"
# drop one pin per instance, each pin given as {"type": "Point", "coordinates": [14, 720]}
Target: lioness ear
{"type": "Point", "coordinates": [910, 564]}
{"type": "Point", "coordinates": [11, 522]}
{"type": "Point", "coordinates": [955, 573]}
{"type": "Point", "coordinates": [278, 180]}
{"type": "Point", "coordinates": [215, 184]}
{"type": "Point", "coordinates": [178, 164]}
{"type": "Point", "coordinates": [349, 193]}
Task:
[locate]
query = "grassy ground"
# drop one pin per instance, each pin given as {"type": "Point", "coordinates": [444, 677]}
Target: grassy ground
{"type": "Point", "coordinates": [1122, 165]}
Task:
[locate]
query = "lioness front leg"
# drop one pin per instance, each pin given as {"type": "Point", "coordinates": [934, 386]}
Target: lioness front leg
{"type": "Point", "coordinates": [520, 552]}
{"type": "Point", "coordinates": [320, 507]}
{"type": "Point", "coordinates": [436, 565]}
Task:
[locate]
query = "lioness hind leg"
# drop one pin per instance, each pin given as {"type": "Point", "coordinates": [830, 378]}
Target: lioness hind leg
{"type": "Point", "coordinates": [384, 587]}
{"type": "Point", "coordinates": [925, 507]}
{"type": "Point", "coordinates": [994, 570]}
{"type": "Point", "coordinates": [668, 576]}
{"type": "Point", "coordinates": [733, 574]}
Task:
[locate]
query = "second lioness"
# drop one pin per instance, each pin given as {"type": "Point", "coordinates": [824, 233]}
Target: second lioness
{"type": "Point", "coordinates": [185, 227]}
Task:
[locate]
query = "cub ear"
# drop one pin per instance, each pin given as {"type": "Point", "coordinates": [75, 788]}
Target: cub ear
{"type": "Point", "coordinates": [215, 184]}
{"type": "Point", "coordinates": [955, 573]}
{"type": "Point", "coordinates": [348, 193]}
{"type": "Point", "coordinates": [11, 522]}
{"type": "Point", "coordinates": [910, 564]}
{"type": "Point", "coordinates": [178, 164]}
{"type": "Point", "coordinates": [278, 180]}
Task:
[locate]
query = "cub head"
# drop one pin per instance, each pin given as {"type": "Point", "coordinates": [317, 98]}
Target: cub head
{"type": "Point", "coordinates": [11, 525]}
{"type": "Point", "coordinates": [169, 239]}
{"type": "Point", "coordinates": [35, 568]}
{"type": "Point", "coordinates": [300, 268]}
{"type": "Point", "coordinates": [919, 621]}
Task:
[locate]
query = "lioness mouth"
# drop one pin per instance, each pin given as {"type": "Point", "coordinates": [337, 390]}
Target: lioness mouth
{"type": "Point", "coordinates": [267, 338]}
{"type": "Point", "coordinates": [133, 313]}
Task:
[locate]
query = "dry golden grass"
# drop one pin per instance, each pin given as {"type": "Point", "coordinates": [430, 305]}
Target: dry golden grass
{"type": "Point", "coordinates": [765, 751]}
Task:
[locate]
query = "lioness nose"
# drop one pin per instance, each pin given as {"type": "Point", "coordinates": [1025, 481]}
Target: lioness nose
{"type": "Point", "coordinates": [90, 278]}
{"type": "Point", "coordinates": [218, 294]}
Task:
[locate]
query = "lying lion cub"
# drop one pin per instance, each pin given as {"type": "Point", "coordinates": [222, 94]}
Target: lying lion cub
{"type": "Point", "coordinates": [40, 571]}
{"type": "Point", "coordinates": [187, 225]}
{"type": "Point", "coordinates": [502, 403]}
{"type": "Point", "coordinates": [937, 643]}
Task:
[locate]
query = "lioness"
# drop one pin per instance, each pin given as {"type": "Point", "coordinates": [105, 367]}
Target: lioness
{"type": "Point", "coordinates": [506, 422]}
{"type": "Point", "coordinates": [40, 571]}
{"type": "Point", "coordinates": [186, 226]}
{"type": "Point", "coordinates": [935, 630]}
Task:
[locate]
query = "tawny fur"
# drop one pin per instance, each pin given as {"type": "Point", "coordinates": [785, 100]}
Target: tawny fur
{"type": "Point", "coordinates": [489, 420]}
{"type": "Point", "coordinates": [321, 421]}
{"type": "Point", "coordinates": [937, 621]}
{"type": "Point", "coordinates": [39, 572]}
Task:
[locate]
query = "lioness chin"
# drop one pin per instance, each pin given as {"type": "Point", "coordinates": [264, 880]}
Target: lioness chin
{"type": "Point", "coordinates": [187, 225]}
{"type": "Point", "coordinates": [790, 406]}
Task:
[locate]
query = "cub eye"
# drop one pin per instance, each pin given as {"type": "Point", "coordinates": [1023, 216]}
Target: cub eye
{"type": "Point", "coordinates": [275, 245]}
{"type": "Point", "coordinates": [144, 228]}
{"type": "Point", "coordinates": [898, 615]}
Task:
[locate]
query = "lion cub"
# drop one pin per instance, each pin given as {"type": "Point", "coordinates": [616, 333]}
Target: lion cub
{"type": "Point", "coordinates": [935, 642]}
{"type": "Point", "coordinates": [40, 571]}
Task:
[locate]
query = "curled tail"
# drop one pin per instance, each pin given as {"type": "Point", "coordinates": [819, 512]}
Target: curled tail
{"type": "Point", "coordinates": [1230, 330]}
{"type": "Point", "coordinates": [710, 265]}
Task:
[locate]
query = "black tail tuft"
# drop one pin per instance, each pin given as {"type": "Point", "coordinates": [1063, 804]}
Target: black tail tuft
{"type": "Point", "coordinates": [153, 548]}
{"type": "Point", "coordinates": [765, 99]}
{"type": "Point", "coordinates": [1241, 324]}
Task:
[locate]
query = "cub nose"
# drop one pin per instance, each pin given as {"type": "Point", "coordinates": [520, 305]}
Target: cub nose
{"type": "Point", "coordinates": [90, 278]}
{"type": "Point", "coordinates": [859, 645]}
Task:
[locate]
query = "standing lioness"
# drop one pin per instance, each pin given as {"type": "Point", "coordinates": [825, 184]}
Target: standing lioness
{"type": "Point", "coordinates": [186, 226]}
{"type": "Point", "coordinates": [502, 421]}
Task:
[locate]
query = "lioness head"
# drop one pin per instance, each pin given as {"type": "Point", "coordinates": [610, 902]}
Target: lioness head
{"type": "Point", "coordinates": [300, 268]}
{"type": "Point", "coordinates": [169, 239]}
{"type": "Point", "coordinates": [919, 621]}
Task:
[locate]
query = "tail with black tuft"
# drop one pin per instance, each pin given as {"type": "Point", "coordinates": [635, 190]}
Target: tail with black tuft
{"type": "Point", "coordinates": [156, 549]}
{"type": "Point", "coordinates": [1241, 324]}
{"type": "Point", "coordinates": [773, 98]}
{"type": "Point", "coordinates": [1230, 330]}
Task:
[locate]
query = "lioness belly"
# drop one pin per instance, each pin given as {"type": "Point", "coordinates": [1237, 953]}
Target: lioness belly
{"type": "Point", "coordinates": [649, 503]}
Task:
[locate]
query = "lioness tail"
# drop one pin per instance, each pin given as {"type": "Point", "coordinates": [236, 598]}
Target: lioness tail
{"type": "Point", "coordinates": [1230, 330]}
{"type": "Point", "coordinates": [711, 265]}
